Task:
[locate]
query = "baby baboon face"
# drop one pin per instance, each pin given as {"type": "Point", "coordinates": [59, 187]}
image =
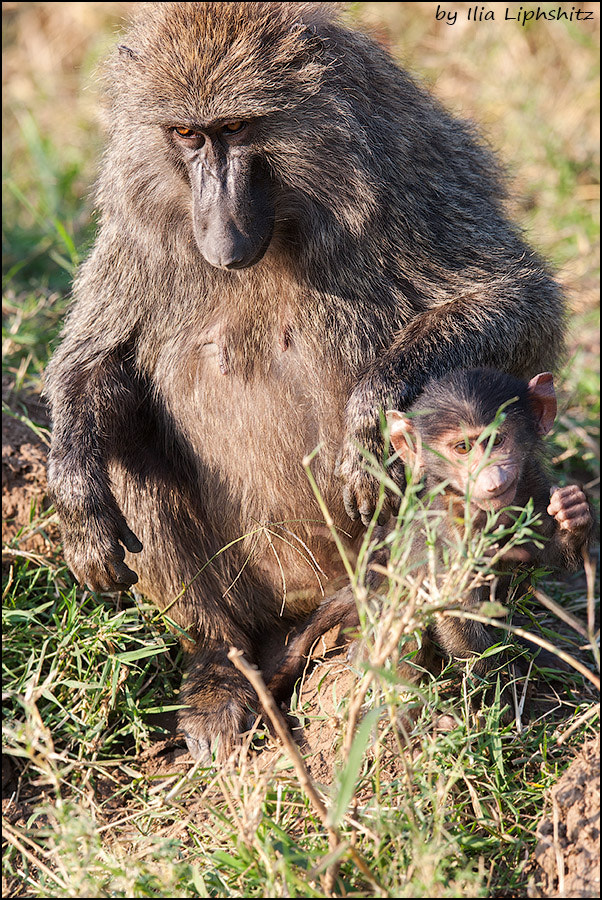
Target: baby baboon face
{"type": "Point", "coordinates": [445, 440]}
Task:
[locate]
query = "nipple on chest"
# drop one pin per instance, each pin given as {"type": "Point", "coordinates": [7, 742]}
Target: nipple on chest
{"type": "Point", "coordinates": [285, 338]}
{"type": "Point", "coordinates": [223, 359]}
{"type": "Point", "coordinates": [225, 352]}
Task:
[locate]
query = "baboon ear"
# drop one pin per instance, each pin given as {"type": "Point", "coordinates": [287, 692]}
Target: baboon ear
{"type": "Point", "coordinates": [542, 397]}
{"type": "Point", "coordinates": [403, 436]}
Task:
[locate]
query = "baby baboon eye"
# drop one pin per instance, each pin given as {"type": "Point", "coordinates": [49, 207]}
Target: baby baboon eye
{"type": "Point", "coordinates": [462, 447]}
{"type": "Point", "coordinates": [498, 439]}
{"type": "Point", "coordinates": [234, 127]}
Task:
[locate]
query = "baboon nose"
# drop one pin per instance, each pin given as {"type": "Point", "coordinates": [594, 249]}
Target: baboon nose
{"type": "Point", "coordinates": [224, 260]}
{"type": "Point", "coordinates": [236, 256]}
{"type": "Point", "coordinates": [230, 254]}
{"type": "Point", "coordinates": [237, 262]}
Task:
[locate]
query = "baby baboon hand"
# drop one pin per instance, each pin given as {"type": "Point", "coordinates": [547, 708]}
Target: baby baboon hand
{"type": "Point", "coordinates": [569, 507]}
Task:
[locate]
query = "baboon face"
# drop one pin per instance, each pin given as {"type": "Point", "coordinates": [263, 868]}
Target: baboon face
{"type": "Point", "coordinates": [446, 442]}
{"type": "Point", "coordinates": [232, 198]}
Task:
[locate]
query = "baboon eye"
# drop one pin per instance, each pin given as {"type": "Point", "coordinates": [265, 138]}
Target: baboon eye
{"type": "Point", "coordinates": [462, 447]}
{"type": "Point", "coordinates": [498, 439]}
{"type": "Point", "coordinates": [184, 132]}
{"type": "Point", "coordinates": [233, 127]}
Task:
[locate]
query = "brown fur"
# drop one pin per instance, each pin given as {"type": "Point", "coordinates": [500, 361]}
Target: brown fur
{"type": "Point", "coordinates": [185, 396]}
{"type": "Point", "coordinates": [451, 411]}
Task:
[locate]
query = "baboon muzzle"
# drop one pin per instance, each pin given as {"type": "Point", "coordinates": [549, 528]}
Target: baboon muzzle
{"type": "Point", "coordinates": [233, 214]}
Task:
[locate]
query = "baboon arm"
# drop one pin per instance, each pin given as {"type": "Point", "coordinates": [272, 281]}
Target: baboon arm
{"type": "Point", "coordinates": [497, 330]}
{"type": "Point", "coordinates": [92, 395]}
{"type": "Point", "coordinates": [567, 523]}
{"type": "Point", "coordinates": [90, 412]}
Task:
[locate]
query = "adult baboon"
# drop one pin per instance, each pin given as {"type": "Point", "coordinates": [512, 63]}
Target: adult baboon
{"type": "Point", "coordinates": [293, 236]}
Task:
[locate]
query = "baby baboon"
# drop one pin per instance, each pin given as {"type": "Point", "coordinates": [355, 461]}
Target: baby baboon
{"type": "Point", "coordinates": [442, 440]}
{"type": "Point", "coordinates": [270, 172]}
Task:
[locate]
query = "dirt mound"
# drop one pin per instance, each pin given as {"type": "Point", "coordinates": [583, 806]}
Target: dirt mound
{"type": "Point", "coordinates": [317, 725]}
{"type": "Point", "coordinates": [567, 856]}
{"type": "Point", "coordinates": [24, 457]}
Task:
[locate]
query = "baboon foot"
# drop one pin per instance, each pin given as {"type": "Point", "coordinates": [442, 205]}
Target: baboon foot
{"type": "Point", "coordinates": [216, 730]}
{"type": "Point", "coordinates": [221, 706]}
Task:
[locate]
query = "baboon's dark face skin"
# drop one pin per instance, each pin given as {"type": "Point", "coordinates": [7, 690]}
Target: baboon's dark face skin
{"type": "Point", "coordinates": [232, 197]}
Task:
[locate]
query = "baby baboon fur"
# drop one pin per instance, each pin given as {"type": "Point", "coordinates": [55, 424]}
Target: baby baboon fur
{"type": "Point", "coordinates": [293, 236]}
{"type": "Point", "coordinates": [442, 443]}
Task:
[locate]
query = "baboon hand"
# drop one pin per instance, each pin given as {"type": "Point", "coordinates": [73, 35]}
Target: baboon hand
{"type": "Point", "coordinates": [95, 554]}
{"type": "Point", "coordinates": [361, 489]}
{"type": "Point", "coordinates": [95, 537]}
{"type": "Point", "coordinates": [569, 507]}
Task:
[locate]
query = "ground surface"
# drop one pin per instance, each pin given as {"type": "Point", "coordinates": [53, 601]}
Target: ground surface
{"type": "Point", "coordinates": [24, 456]}
{"type": "Point", "coordinates": [568, 853]}
{"type": "Point", "coordinates": [567, 858]}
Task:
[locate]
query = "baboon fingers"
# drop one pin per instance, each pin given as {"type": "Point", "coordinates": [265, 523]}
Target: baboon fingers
{"type": "Point", "coordinates": [198, 747]}
{"type": "Point", "coordinates": [570, 508]}
{"type": "Point", "coordinates": [123, 576]}
{"type": "Point", "coordinates": [129, 539]}
{"type": "Point", "coordinates": [360, 498]}
{"type": "Point", "coordinates": [575, 523]}
{"type": "Point", "coordinates": [350, 503]}
{"type": "Point", "coordinates": [99, 567]}
{"type": "Point", "coordinates": [216, 728]}
{"type": "Point", "coordinates": [566, 497]}
{"type": "Point", "coordinates": [121, 579]}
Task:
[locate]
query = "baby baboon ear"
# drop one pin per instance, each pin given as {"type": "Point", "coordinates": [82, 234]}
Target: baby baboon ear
{"type": "Point", "coordinates": [404, 439]}
{"type": "Point", "coordinates": [127, 52]}
{"type": "Point", "coordinates": [542, 398]}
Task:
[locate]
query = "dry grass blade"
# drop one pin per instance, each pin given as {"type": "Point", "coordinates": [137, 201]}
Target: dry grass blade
{"type": "Point", "coordinates": [560, 612]}
{"type": "Point", "coordinates": [305, 780]}
{"type": "Point", "coordinates": [11, 837]}
{"type": "Point", "coordinates": [562, 736]}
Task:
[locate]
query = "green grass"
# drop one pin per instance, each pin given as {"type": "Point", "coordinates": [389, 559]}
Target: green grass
{"type": "Point", "coordinates": [85, 675]}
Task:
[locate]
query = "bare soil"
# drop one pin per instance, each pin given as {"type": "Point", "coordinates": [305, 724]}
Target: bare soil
{"type": "Point", "coordinates": [24, 458]}
{"type": "Point", "coordinates": [567, 857]}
